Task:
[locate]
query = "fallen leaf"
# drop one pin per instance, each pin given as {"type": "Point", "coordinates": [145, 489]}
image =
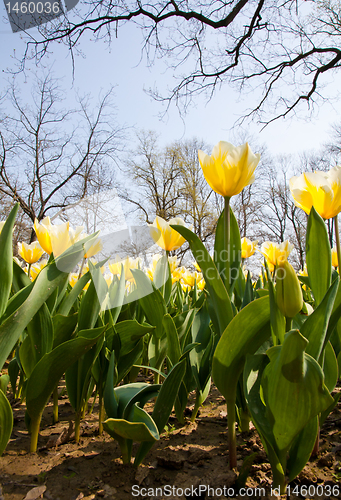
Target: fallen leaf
{"type": "Point", "coordinates": [35, 493]}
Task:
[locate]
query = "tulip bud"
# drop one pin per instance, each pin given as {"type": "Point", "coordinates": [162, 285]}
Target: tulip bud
{"type": "Point", "coordinates": [289, 295]}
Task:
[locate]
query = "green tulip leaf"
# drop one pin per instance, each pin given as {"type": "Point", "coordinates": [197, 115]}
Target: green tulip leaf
{"type": "Point", "coordinates": [39, 340]}
{"type": "Point", "coordinates": [140, 428]}
{"type": "Point", "coordinates": [214, 283]}
{"type": "Point", "coordinates": [52, 366]}
{"type": "Point", "coordinates": [252, 376]}
{"type": "Point", "coordinates": [293, 390]}
{"type": "Point", "coordinates": [20, 278]}
{"type": "Point", "coordinates": [77, 376]}
{"type": "Point", "coordinates": [71, 297]}
{"type": "Point", "coordinates": [314, 329]}
{"type": "Point", "coordinates": [48, 279]}
{"type": "Point", "coordinates": [330, 368]}
{"type": "Point", "coordinates": [6, 266]}
{"type": "Point", "coordinates": [6, 421]}
{"type": "Point", "coordinates": [89, 308]}
{"type": "Point", "coordinates": [130, 332]}
{"type": "Point", "coordinates": [248, 293]}
{"type": "Point", "coordinates": [4, 381]}
{"type": "Point", "coordinates": [109, 398]}
{"type": "Point", "coordinates": [318, 255]}
{"type": "Point", "coordinates": [301, 449]}
{"type": "Point", "coordinates": [173, 348]}
{"type": "Point", "coordinates": [164, 405]}
{"type": "Point", "coordinates": [162, 278]}
{"type": "Point", "coordinates": [126, 362]}
{"type": "Point", "coordinates": [151, 301]}
{"type": "Point", "coordinates": [228, 265]}
{"type": "Point", "coordinates": [201, 356]}
{"type": "Point", "coordinates": [63, 328]}
{"type": "Point", "coordinates": [244, 335]}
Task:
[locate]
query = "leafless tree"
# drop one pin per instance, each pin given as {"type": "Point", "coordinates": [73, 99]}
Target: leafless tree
{"type": "Point", "coordinates": [51, 157]}
{"type": "Point", "coordinates": [169, 182]}
{"type": "Point", "coordinates": [281, 48]}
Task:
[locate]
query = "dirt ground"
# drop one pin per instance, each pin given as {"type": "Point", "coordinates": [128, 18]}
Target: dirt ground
{"type": "Point", "coordinates": [189, 459]}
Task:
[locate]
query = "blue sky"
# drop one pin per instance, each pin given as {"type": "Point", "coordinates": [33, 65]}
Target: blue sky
{"type": "Point", "coordinates": [121, 66]}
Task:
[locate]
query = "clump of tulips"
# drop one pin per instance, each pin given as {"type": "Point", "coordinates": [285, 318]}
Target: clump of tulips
{"type": "Point", "coordinates": [270, 345]}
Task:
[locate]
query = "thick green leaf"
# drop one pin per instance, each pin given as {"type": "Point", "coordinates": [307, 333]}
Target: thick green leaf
{"type": "Point", "coordinates": [330, 367]}
{"type": "Point", "coordinates": [116, 296]}
{"type": "Point", "coordinates": [6, 266]}
{"type": "Point", "coordinates": [214, 283]}
{"type": "Point", "coordinates": [162, 278]}
{"type": "Point", "coordinates": [131, 393]}
{"type": "Point", "coordinates": [173, 348]}
{"type": "Point", "coordinates": [151, 301]}
{"type": "Point", "coordinates": [71, 297]}
{"type": "Point", "coordinates": [6, 421]}
{"type": "Point", "coordinates": [53, 365]}
{"type": "Point", "coordinates": [183, 323]}
{"type": "Point", "coordinates": [39, 339]}
{"type": "Point", "coordinates": [248, 293]}
{"type": "Point", "coordinates": [20, 278]}
{"type": "Point", "coordinates": [63, 328]}
{"type": "Point", "coordinates": [89, 308]}
{"type": "Point", "coordinates": [293, 390]}
{"type": "Point", "coordinates": [126, 362]}
{"type": "Point", "coordinates": [228, 264]}
{"type": "Point", "coordinates": [4, 381]}
{"type": "Point", "coordinates": [200, 357]}
{"type": "Point", "coordinates": [141, 428]}
{"type": "Point", "coordinates": [164, 405]}
{"type": "Point", "coordinates": [77, 376]}
{"type": "Point", "coordinates": [16, 301]}
{"type": "Point", "coordinates": [109, 398]}
{"type": "Point", "coordinates": [244, 335]}
{"type": "Point", "coordinates": [252, 376]}
{"type": "Point", "coordinates": [314, 328]}
{"type": "Point", "coordinates": [130, 332]}
{"type": "Point", "coordinates": [318, 255]}
{"type": "Point", "coordinates": [300, 451]}
{"type": "Point", "coordinates": [11, 329]}
{"type": "Point", "coordinates": [13, 372]}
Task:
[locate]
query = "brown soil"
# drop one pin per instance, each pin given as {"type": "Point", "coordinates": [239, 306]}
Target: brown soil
{"type": "Point", "coordinates": [186, 457]}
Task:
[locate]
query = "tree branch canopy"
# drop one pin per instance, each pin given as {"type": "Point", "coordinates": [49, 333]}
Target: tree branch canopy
{"type": "Point", "coordinates": [281, 49]}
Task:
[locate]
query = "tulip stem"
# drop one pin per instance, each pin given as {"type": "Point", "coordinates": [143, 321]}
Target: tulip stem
{"type": "Point", "coordinates": [227, 236]}
{"type": "Point", "coordinates": [231, 428]}
{"type": "Point", "coordinates": [337, 239]}
{"type": "Point", "coordinates": [288, 324]}
{"type": "Point", "coordinates": [81, 268]}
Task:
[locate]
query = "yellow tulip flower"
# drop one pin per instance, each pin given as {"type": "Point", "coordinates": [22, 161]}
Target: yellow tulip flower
{"type": "Point", "coordinates": [248, 247]}
{"type": "Point", "coordinates": [189, 278]}
{"type": "Point", "coordinates": [335, 262]}
{"type": "Point", "coordinates": [164, 236]}
{"type": "Point", "coordinates": [229, 169]}
{"type": "Point", "coordinates": [128, 264]}
{"type": "Point", "coordinates": [276, 253]}
{"type": "Point", "coordinates": [93, 249]}
{"type": "Point", "coordinates": [320, 190]}
{"type": "Point", "coordinates": [74, 277]}
{"type": "Point", "coordinates": [36, 268]}
{"type": "Point", "coordinates": [42, 230]}
{"type": "Point", "coordinates": [56, 238]}
{"type": "Point", "coordinates": [30, 253]}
